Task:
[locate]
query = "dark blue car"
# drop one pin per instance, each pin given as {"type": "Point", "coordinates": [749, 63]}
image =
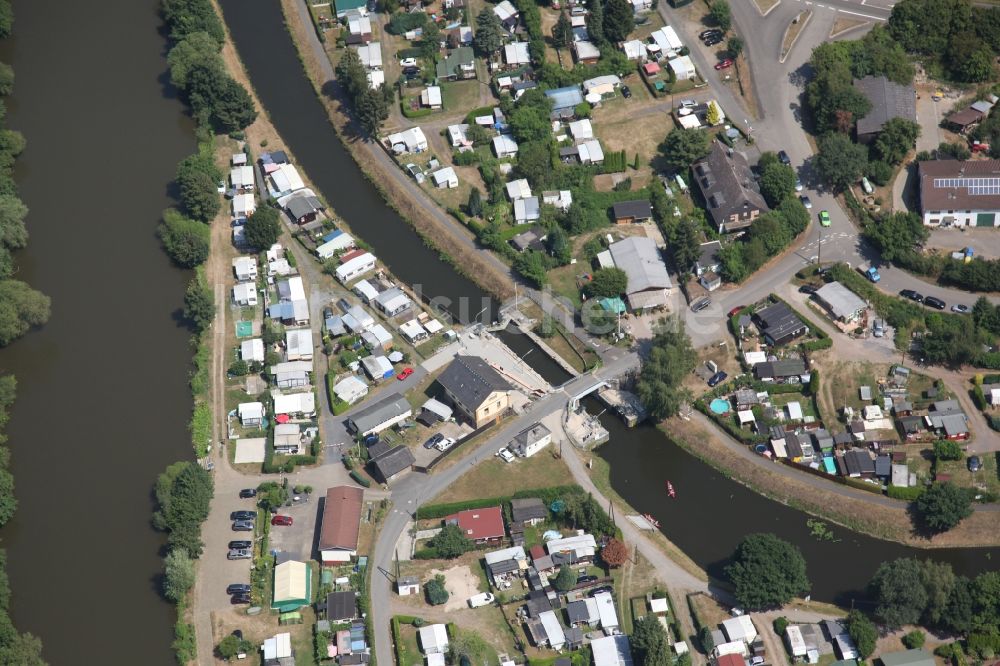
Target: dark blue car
{"type": "Point", "coordinates": [717, 379]}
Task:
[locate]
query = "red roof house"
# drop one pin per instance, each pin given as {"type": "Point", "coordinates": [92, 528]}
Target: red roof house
{"type": "Point", "coordinates": [730, 660]}
{"type": "Point", "coordinates": [344, 258]}
{"type": "Point", "coordinates": [482, 526]}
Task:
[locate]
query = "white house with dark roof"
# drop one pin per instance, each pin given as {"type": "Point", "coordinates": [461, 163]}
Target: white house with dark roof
{"type": "Point", "coordinates": [475, 389]}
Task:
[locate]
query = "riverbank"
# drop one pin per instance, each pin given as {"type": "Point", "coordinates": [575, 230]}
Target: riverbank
{"type": "Point", "coordinates": [382, 173]}
{"type": "Point", "coordinates": [889, 521]}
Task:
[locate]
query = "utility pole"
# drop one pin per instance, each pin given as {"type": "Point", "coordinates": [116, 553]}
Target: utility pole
{"type": "Point", "coordinates": [819, 254]}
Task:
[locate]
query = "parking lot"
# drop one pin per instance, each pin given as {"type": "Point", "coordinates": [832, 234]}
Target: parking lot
{"type": "Point", "coordinates": [299, 537]}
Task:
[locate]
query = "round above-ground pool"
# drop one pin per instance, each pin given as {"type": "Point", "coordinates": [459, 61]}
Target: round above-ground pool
{"type": "Point", "coordinates": [719, 406]}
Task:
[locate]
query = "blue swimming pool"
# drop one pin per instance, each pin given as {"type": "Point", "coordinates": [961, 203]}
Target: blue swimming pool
{"type": "Point", "coordinates": [719, 406]}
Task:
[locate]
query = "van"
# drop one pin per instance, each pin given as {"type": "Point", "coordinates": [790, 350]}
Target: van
{"type": "Point", "coordinates": [867, 186]}
{"type": "Point", "coordinates": [878, 328]}
{"type": "Point", "coordinates": [578, 11]}
{"type": "Point", "coordinates": [481, 599]}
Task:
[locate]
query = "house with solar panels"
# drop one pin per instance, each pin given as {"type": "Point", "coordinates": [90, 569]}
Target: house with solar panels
{"type": "Point", "coordinates": [960, 194]}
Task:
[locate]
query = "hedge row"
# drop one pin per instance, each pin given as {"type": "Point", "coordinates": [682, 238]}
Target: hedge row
{"type": "Point", "coordinates": [547, 495]}
{"type": "Point", "coordinates": [909, 494]}
{"type": "Point", "coordinates": [360, 479]}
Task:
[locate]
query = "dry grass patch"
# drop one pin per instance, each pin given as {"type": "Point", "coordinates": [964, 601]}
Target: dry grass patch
{"type": "Point", "coordinates": [495, 478]}
{"type": "Point", "coordinates": [842, 24]}
{"type": "Point", "coordinates": [793, 31]}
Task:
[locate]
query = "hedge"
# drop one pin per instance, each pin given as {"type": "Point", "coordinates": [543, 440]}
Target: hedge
{"type": "Point", "coordinates": [360, 479]}
{"type": "Point", "coordinates": [547, 495]}
{"type": "Point", "coordinates": [901, 493]}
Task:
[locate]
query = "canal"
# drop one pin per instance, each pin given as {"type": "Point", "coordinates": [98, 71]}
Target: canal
{"type": "Point", "coordinates": [102, 398]}
{"type": "Point", "coordinates": [712, 513]}
{"type": "Point", "coordinates": [272, 62]}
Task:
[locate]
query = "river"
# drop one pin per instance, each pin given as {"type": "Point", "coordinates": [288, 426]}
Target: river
{"type": "Point", "coordinates": [102, 400]}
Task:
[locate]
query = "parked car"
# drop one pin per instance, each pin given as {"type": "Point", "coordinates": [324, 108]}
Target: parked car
{"type": "Point", "coordinates": [598, 590]}
{"type": "Point", "coordinates": [408, 62]}
{"type": "Point", "coordinates": [238, 588]}
{"type": "Point", "coordinates": [243, 515]}
{"type": "Point", "coordinates": [975, 463]}
{"type": "Point", "coordinates": [433, 440]}
{"type": "Point", "coordinates": [445, 444]}
{"type": "Point", "coordinates": [717, 379]}
{"type": "Point", "coordinates": [481, 599]}
{"type": "Point", "coordinates": [713, 40]}
{"type": "Point", "coordinates": [784, 158]}
{"type": "Point", "coordinates": [247, 493]}
{"type": "Point", "coordinates": [240, 599]}
{"type": "Point", "coordinates": [807, 289]}
{"type": "Point", "coordinates": [711, 32]}
{"type": "Point", "coordinates": [281, 520]}
{"type": "Point", "coordinates": [912, 295]}
{"type": "Point", "coordinates": [586, 579]}
{"type": "Point", "coordinates": [878, 328]}
{"type": "Point", "coordinates": [626, 92]}
{"type": "Point", "coordinates": [798, 184]}
{"type": "Point", "coordinates": [243, 526]}
{"type": "Point", "coordinates": [404, 373]}
{"type": "Point", "coordinates": [240, 554]}
{"type": "Point", "coordinates": [505, 455]}
{"type": "Point", "coordinates": [735, 311]}
{"type": "Point", "coordinates": [578, 11]}
{"type": "Point", "coordinates": [371, 439]}
{"type": "Point", "coordinates": [688, 104]}
{"type": "Point", "coordinates": [960, 309]}
{"type": "Point", "coordinates": [872, 274]}
{"type": "Point", "coordinates": [724, 64]}
{"type": "Point", "coordinates": [824, 218]}
{"type": "Point", "coordinates": [933, 302]}
{"type": "Point", "coordinates": [806, 201]}
{"type": "Point", "coordinates": [701, 304]}
{"type": "Point", "coordinates": [240, 544]}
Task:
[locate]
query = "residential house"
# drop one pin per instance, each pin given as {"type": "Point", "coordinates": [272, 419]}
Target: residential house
{"type": "Point", "coordinates": [507, 14]}
{"type": "Point", "coordinates": [518, 189]}
{"type": "Point", "coordinates": [708, 258]}
{"type": "Point", "coordinates": [603, 86]}
{"type": "Point", "coordinates": [292, 585]}
{"type": "Point", "coordinates": [244, 205]}
{"type": "Point", "coordinates": [433, 639]}
{"type": "Point", "coordinates": [294, 404]}
{"type": "Point", "coordinates": [607, 616]}
{"type": "Point", "coordinates": [581, 547]}
{"type": "Point", "coordinates": [729, 189]}
{"type": "Point", "coordinates": [458, 135]}
{"type": "Point", "coordinates": [581, 129]}
{"type": "Point", "coordinates": [413, 331]}
{"type": "Point", "coordinates": [291, 374]}
{"type": "Point", "coordinates": [407, 141]}
{"type": "Point", "coordinates": [502, 564]}
{"type": "Point", "coordinates": [283, 179]}
{"type": "Point", "coordinates": [354, 264]}
{"type": "Point", "coordinates": [370, 55]}
{"type": "Point", "coordinates": [392, 463]}
{"type": "Point", "coordinates": [481, 526]}
{"type": "Point", "coordinates": [461, 37]}
{"type": "Point", "coordinates": [252, 351]}
{"type": "Point", "coordinates": [783, 371]}
{"type": "Point", "coordinates": [476, 390]}
{"type": "Point", "coordinates": [350, 389]}
{"type": "Point", "coordinates": [842, 303]}
{"type": "Point", "coordinates": [242, 178]}
{"type": "Point", "coordinates": [888, 100]}
{"type": "Point", "coordinates": [245, 294]}
{"type": "Point", "coordinates": [635, 211]}
{"type": "Point", "coordinates": [393, 301]}
{"type": "Point", "coordinates": [561, 199]}
{"type": "Point", "coordinates": [356, 319]}
{"type": "Point", "coordinates": [564, 101]}
{"type": "Point", "coordinates": [582, 612]}
{"type": "Point", "coordinates": [589, 152]}
{"type": "Point", "coordinates": [528, 511]}
{"type": "Point", "coordinates": [634, 50]}
{"type": "Point", "coordinates": [740, 628]}
{"type": "Point", "coordinates": [277, 650]}
{"type": "Point", "coordinates": [341, 607]}
{"type": "Point", "coordinates": [683, 68]}
{"type": "Point", "coordinates": [516, 55]}
{"type": "Point", "coordinates": [345, 6]}
{"type": "Point", "coordinates": [611, 650]}
{"type": "Point", "coordinates": [366, 291]}
{"type": "Point", "coordinates": [779, 324]}
{"type": "Point", "coordinates": [430, 97]}
{"type": "Point", "coordinates": [302, 207]}
{"type": "Point", "coordinates": [648, 281]}
{"type": "Point", "coordinates": [334, 242]}
{"type": "Point", "coordinates": [504, 146]}
{"type": "Point", "coordinates": [338, 534]}
{"type": "Point", "coordinates": [530, 441]}
{"type": "Point", "coordinates": [382, 414]}
{"type": "Point", "coordinates": [553, 630]}
{"type": "Point", "coordinates": [964, 120]}
{"type": "Point", "coordinates": [842, 642]}
{"type": "Point", "coordinates": [527, 210]}
{"type": "Point", "coordinates": [459, 64]}
{"type": "Point", "coordinates": [288, 439]}
{"type": "Point", "coordinates": [377, 366]}
{"type": "Point", "coordinates": [666, 41]}
{"type": "Point", "coordinates": [298, 344]}
{"type": "Point", "coordinates": [960, 194]}
{"type": "Point", "coordinates": [251, 414]}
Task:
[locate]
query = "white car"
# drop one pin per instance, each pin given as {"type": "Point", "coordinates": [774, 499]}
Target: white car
{"type": "Point", "coordinates": [798, 185]}
{"type": "Point", "coordinates": [445, 444]}
{"type": "Point", "coordinates": [505, 455]}
{"type": "Point", "coordinates": [408, 62]}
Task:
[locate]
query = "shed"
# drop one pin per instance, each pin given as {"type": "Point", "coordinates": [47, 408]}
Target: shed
{"type": "Point", "coordinates": [842, 303]}
{"type": "Point", "coordinates": [380, 415]}
{"type": "Point", "coordinates": [292, 586]}
{"type": "Point", "coordinates": [908, 658]}
{"type": "Point", "coordinates": [740, 628]}
{"type": "Point", "coordinates": [433, 639]}
{"type": "Point", "coordinates": [611, 651]}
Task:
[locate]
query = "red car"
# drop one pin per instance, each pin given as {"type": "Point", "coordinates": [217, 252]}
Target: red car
{"type": "Point", "coordinates": [735, 310]}
{"type": "Point", "coordinates": [725, 64]}
{"type": "Point", "coordinates": [281, 520]}
{"type": "Point", "coordinates": [404, 373]}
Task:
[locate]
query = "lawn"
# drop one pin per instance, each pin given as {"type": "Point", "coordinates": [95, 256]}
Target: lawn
{"type": "Point", "coordinates": [985, 479]}
{"type": "Point", "coordinates": [409, 652]}
{"type": "Point", "coordinates": [495, 478]}
{"type": "Point", "coordinates": [460, 95]}
{"type": "Point", "coordinates": [804, 402]}
{"type": "Point", "coordinates": [564, 282]}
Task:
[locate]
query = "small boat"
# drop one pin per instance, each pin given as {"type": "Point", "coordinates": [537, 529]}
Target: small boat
{"type": "Point", "coordinates": [670, 490]}
{"type": "Point", "coordinates": [652, 521]}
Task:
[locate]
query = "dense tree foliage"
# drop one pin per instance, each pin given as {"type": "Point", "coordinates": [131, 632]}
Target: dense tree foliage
{"type": "Point", "coordinates": [179, 574]}
{"type": "Point", "coordinates": [565, 580]}
{"type": "Point", "coordinates": [263, 228]}
{"type": "Point", "coordinates": [595, 21]}
{"type": "Point", "coordinates": [767, 572]}
{"type": "Point", "coordinates": [947, 449]}
{"type": "Point", "coordinates": [619, 20]}
{"type": "Point", "coordinates": [912, 591]}
{"type": "Point", "coordinates": [607, 282]}
{"type": "Point", "coordinates": [614, 553]}
{"type": "Point", "coordinates": [897, 138]}
{"type": "Point", "coordinates": [671, 359]}
{"type": "Point", "coordinates": [863, 632]}
{"type": "Point", "coordinates": [198, 178]}
{"type": "Point", "coordinates": [562, 31]}
{"type": "Point", "coordinates": [199, 303]}
{"type": "Point", "coordinates": [21, 308]}
{"type": "Point", "coordinates": [650, 642]}
{"type": "Point", "coordinates": [532, 266]}
{"type": "Point", "coordinates": [721, 14]}
{"type": "Point", "coordinates": [897, 234]}
{"type": "Point", "coordinates": [450, 542]}
{"type": "Point", "coordinates": [684, 147]}
{"type": "Point", "coordinates": [840, 162]}
{"type": "Point", "coordinates": [685, 242]}
{"type": "Point", "coordinates": [943, 506]}
{"type": "Point", "coordinates": [583, 512]}
{"type": "Point", "coordinates": [183, 493]}
{"type": "Point", "coordinates": [769, 235]}
{"type": "Point", "coordinates": [196, 49]}
{"type": "Point", "coordinates": [185, 240]}
{"type": "Point", "coordinates": [189, 16]}
{"type": "Point", "coordinates": [219, 101]}
{"type": "Point", "coordinates": [777, 180]}
{"type": "Point", "coordinates": [489, 33]}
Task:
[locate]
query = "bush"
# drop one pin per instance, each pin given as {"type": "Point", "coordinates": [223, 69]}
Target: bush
{"type": "Point", "coordinates": [360, 479]}
{"type": "Point", "coordinates": [436, 592]}
{"type": "Point", "coordinates": [915, 639]}
{"type": "Point", "coordinates": [947, 449]}
{"type": "Point", "coordinates": [780, 624]}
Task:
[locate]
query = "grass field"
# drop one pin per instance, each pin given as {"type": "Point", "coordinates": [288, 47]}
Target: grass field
{"type": "Point", "coordinates": [495, 478]}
